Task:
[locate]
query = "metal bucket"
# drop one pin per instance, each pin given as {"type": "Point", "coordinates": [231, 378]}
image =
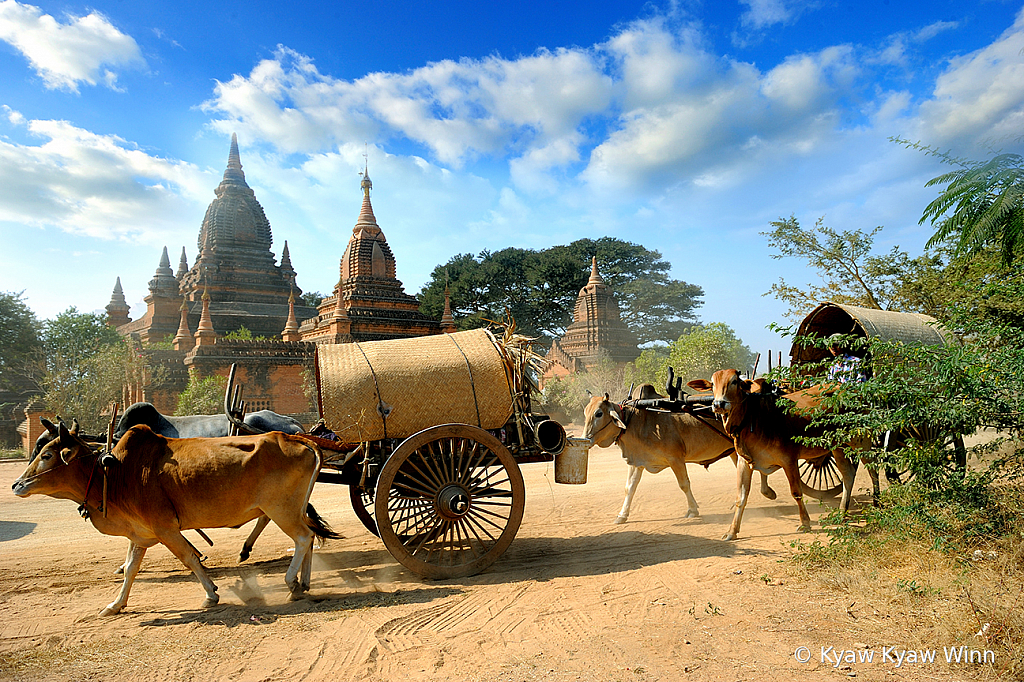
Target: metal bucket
{"type": "Point", "coordinates": [571, 463]}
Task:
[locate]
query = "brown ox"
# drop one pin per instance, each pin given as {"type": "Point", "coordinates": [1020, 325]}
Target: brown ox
{"type": "Point", "coordinates": [161, 486]}
{"type": "Point", "coordinates": [654, 441]}
{"type": "Point", "coordinates": [763, 434]}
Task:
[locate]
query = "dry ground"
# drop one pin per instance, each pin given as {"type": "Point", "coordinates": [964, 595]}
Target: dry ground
{"type": "Point", "coordinates": [574, 598]}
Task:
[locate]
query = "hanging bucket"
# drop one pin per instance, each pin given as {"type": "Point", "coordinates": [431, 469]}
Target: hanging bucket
{"type": "Point", "coordinates": [571, 463]}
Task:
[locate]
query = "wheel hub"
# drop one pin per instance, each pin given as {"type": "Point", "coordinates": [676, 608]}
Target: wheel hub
{"type": "Point", "coordinates": [453, 501]}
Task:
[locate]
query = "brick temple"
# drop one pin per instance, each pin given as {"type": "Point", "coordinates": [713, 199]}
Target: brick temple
{"type": "Point", "coordinates": [596, 332]}
{"type": "Point", "coordinates": [236, 282]}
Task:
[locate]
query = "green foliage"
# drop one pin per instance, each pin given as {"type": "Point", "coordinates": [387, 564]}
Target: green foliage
{"type": "Point", "coordinates": [20, 342]}
{"type": "Point", "coordinates": [697, 354]}
{"type": "Point", "coordinates": [87, 366]}
{"type": "Point", "coordinates": [72, 337]}
{"type": "Point", "coordinates": [243, 334]}
{"type": "Point", "coordinates": [202, 396]}
{"type": "Point", "coordinates": [86, 386]}
{"type": "Point", "coordinates": [843, 260]}
{"type": "Point", "coordinates": [569, 395]}
{"type": "Point", "coordinates": [311, 298]}
{"type": "Point", "coordinates": [539, 288]}
{"type": "Point", "coordinates": [982, 203]}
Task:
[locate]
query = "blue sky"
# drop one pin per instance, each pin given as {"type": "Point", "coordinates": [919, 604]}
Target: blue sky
{"type": "Point", "coordinates": [686, 127]}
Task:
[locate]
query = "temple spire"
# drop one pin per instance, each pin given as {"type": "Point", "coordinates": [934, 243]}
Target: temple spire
{"type": "Point", "coordinates": [182, 266]}
{"type": "Point", "coordinates": [184, 340]}
{"type": "Point", "coordinates": [447, 321]}
{"type": "Point", "coordinates": [205, 334]}
{"type": "Point", "coordinates": [366, 220]}
{"type": "Point", "coordinates": [117, 309]}
{"type": "Point", "coordinates": [233, 173]}
{"type": "Point", "coordinates": [291, 327]}
{"type": "Point", "coordinates": [164, 282]}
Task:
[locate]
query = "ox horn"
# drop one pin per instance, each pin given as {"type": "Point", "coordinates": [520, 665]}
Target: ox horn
{"type": "Point", "coordinates": [49, 425]}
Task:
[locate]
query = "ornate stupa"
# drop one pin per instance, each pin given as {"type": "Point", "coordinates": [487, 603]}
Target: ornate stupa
{"type": "Point", "coordinates": [596, 332]}
{"type": "Point", "coordinates": [235, 267]}
{"type": "Point", "coordinates": [369, 303]}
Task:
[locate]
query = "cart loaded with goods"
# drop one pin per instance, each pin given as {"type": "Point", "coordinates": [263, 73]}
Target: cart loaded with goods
{"type": "Point", "coordinates": [428, 433]}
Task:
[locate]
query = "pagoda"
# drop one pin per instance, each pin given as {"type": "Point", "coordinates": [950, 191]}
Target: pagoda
{"type": "Point", "coordinates": [369, 303]}
{"type": "Point", "coordinates": [596, 332]}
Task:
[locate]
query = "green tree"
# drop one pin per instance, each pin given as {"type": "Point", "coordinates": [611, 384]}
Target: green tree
{"type": "Point", "coordinates": [73, 337]}
{"type": "Point", "coordinates": [243, 333]}
{"type": "Point", "coordinates": [539, 288]}
{"type": "Point", "coordinates": [203, 395]}
{"type": "Point", "coordinates": [311, 298]}
{"type": "Point", "coordinates": [87, 366]}
{"type": "Point", "coordinates": [697, 354]}
{"type": "Point", "coordinates": [849, 271]}
{"type": "Point", "coordinates": [982, 203]}
{"type": "Point", "coordinates": [20, 344]}
{"type": "Point", "coordinates": [564, 398]}
{"type": "Point", "coordinates": [86, 389]}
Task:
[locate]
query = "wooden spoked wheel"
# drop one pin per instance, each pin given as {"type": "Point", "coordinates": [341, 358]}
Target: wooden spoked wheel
{"type": "Point", "coordinates": [362, 505]}
{"type": "Point", "coordinates": [820, 479]}
{"type": "Point", "coordinates": [449, 501]}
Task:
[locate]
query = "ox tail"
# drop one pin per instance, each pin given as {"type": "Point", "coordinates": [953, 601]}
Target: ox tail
{"type": "Point", "coordinates": [321, 529]}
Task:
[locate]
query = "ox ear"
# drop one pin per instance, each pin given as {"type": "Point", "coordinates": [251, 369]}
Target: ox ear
{"type": "Point", "coordinates": [617, 418]}
{"type": "Point", "coordinates": [49, 425]}
{"type": "Point", "coordinates": [759, 386]}
{"type": "Point", "coordinates": [700, 385]}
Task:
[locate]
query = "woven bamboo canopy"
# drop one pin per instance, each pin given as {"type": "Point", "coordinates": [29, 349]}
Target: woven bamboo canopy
{"type": "Point", "coordinates": [836, 318]}
{"type": "Point", "coordinates": [393, 389]}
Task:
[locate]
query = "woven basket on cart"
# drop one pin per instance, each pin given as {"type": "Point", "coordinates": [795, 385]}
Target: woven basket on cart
{"type": "Point", "coordinates": [393, 389]}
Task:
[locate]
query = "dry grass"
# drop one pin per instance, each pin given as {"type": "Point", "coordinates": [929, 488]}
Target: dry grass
{"type": "Point", "coordinates": [909, 584]}
{"type": "Point", "coordinates": [12, 453]}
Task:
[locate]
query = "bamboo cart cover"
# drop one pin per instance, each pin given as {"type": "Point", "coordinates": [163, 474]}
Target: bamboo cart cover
{"type": "Point", "coordinates": [836, 318]}
{"type": "Point", "coordinates": [393, 389]}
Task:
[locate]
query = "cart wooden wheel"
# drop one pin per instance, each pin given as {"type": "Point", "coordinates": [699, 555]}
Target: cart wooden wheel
{"type": "Point", "coordinates": [362, 505]}
{"type": "Point", "coordinates": [449, 501]}
{"type": "Point", "coordinates": [820, 479]}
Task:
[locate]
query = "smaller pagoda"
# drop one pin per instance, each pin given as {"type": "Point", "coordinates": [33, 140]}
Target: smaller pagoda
{"type": "Point", "coordinates": [369, 303]}
{"type": "Point", "coordinates": [596, 332]}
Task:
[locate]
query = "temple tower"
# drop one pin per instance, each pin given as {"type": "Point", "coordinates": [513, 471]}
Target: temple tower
{"type": "Point", "coordinates": [369, 303]}
{"type": "Point", "coordinates": [596, 332]}
{"type": "Point", "coordinates": [117, 309]}
{"type": "Point", "coordinates": [235, 266]}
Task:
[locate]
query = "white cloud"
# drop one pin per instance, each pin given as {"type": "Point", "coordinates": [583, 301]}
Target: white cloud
{"type": "Point", "coordinates": [763, 13]}
{"type": "Point", "coordinates": [96, 185]}
{"type": "Point", "coordinates": [456, 109]}
{"type": "Point", "coordinates": [979, 99]}
{"type": "Point", "coordinates": [67, 54]}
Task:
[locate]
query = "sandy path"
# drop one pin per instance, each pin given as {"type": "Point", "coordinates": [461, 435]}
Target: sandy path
{"type": "Point", "coordinates": [574, 598]}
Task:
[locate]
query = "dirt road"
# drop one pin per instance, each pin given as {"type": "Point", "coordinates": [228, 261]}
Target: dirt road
{"type": "Point", "coordinates": [574, 598]}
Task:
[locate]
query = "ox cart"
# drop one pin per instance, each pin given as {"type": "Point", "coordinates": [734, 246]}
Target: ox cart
{"type": "Point", "coordinates": [429, 433]}
{"type": "Point", "coordinates": [822, 479]}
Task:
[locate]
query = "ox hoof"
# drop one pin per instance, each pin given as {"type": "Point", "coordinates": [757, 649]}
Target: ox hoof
{"type": "Point", "coordinates": [621, 519]}
{"type": "Point", "coordinates": [243, 555]}
{"type": "Point", "coordinates": [692, 514]}
{"type": "Point", "coordinates": [729, 536]}
{"type": "Point", "coordinates": [804, 529]}
{"type": "Point", "coordinates": [211, 601]}
{"type": "Point", "coordinates": [120, 570]}
{"type": "Point", "coordinates": [110, 610]}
